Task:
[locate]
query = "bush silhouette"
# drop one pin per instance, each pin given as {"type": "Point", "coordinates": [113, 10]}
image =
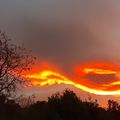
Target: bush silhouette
{"type": "Point", "coordinates": [65, 106]}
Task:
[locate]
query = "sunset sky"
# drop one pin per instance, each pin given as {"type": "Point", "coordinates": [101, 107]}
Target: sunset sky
{"type": "Point", "coordinates": [66, 34]}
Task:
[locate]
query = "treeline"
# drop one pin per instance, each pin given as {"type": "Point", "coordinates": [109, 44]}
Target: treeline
{"type": "Point", "coordinates": [66, 106]}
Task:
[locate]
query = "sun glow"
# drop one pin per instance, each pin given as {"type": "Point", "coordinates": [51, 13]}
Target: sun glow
{"type": "Point", "coordinates": [99, 71]}
{"type": "Point", "coordinates": [49, 77]}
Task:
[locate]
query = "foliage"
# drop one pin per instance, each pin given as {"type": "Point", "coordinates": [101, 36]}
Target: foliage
{"type": "Point", "coordinates": [66, 106]}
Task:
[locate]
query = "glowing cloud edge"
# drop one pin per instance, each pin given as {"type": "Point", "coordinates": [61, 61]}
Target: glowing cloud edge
{"type": "Point", "coordinates": [43, 78]}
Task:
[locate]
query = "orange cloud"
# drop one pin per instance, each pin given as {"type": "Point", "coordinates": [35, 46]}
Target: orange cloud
{"type": "Point", "coordinates": [89, 76]}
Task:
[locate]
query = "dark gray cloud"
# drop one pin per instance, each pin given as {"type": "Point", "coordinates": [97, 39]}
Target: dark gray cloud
{"type": "Point", "coordinates": [64, 32]}
{"type": "Point", "coordinates": [102, 79]}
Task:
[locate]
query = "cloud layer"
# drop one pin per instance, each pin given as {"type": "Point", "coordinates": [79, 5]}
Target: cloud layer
{"type": "Point", "coordinates": [64, 32]}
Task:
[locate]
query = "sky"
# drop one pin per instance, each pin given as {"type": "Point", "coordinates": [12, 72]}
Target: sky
{"type": "Point", "coordinates": [64, 33]}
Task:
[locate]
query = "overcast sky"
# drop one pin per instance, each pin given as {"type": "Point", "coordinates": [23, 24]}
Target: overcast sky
{"type": "Point", "coordinates": [64, 32]}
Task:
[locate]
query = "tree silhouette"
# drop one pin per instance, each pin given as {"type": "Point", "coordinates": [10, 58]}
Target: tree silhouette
{"type": "Point", "coordinates": [65, 106]}
{"type": "Point", "coordinates": [13, 61]}
{"type": "Point", "coordinates": [113, 106]}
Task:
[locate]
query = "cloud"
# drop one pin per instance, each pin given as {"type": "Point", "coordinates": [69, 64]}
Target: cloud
{"type": "Point", "coordinates": [64, 33]}
{"type": "Point", "coordinates": [102, 79]}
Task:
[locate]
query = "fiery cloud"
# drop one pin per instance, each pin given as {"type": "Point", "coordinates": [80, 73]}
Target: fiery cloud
{"type": "Point", "coordinates": [100, 79]}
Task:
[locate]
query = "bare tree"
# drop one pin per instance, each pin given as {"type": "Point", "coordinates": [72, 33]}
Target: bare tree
{"type": "Point", "coordinates": [14, 60]}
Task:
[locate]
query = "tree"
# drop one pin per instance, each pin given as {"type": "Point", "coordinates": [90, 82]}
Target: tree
{"type": "Point", "coordinates": [14, 60]}
{"type": "Point", "coordinates": [113, 106]}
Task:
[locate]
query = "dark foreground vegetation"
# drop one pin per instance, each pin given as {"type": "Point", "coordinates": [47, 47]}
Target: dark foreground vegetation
{"type": "Point", "coordinates": [66, 106]}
